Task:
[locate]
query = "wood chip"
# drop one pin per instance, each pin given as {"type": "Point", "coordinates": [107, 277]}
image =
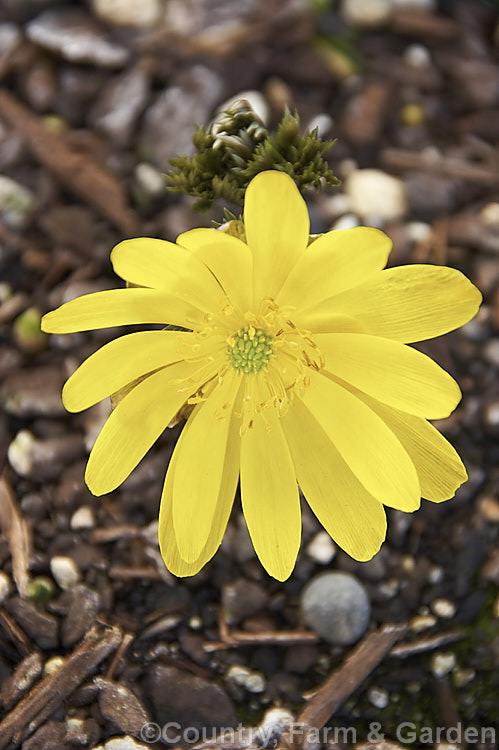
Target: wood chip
{"type": "Point", "coordinates": [49, 694]}
{"type": "Point", "coordinates": [425, 644]}
{"type": "Point", "coordinates": [79, 173]}
{"type": "Point", "coordinates": [16, 532]}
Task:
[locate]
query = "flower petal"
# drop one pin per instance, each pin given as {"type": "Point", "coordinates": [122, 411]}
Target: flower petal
{"type": "Point", "coordinates": [439, 468]}
{"type": "Point", "coordinates": [163, 265]}
{"type": "Point", "coordinates": [351, 516]}
{"type": "Point", "coordinates": [120, 307]}
{"type": "Point", "coordinates": [390, 372]}
{"type": "Point", "coordinates": [137, 422]}
{"type": "Point", "coordinates": [269, 493]}
{"type": "Point", "coordinates": [228, 258]}
{"type": "Point", "coordinates": [407, 303]}
{"type": "Point", "coordinates": [198, 470]}
{"type": "Point", "coordinates": [277, 228]}
{"type": "Point", "coordinates": [125, 359]}
{"type": "Point", "coordinates": [334, 262]}
{"type": "Point", "coordinates": [228, 485]}
{"type": "Point", "coordinates": [367, 445]}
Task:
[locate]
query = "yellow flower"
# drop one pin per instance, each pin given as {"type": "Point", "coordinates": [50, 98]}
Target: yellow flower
{"type": "Point", "coordinates": [296, 368]}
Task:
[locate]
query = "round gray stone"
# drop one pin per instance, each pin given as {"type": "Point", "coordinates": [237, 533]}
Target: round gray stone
{"type": "Point", "coordinates": [336, 607]}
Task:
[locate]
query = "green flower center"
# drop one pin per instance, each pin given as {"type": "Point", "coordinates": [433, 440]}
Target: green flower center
{"type": "Point", "coordinates": [249, 350]}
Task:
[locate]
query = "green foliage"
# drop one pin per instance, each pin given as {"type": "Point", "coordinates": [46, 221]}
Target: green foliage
{"type": "Point", "coordinates": [236, 146]}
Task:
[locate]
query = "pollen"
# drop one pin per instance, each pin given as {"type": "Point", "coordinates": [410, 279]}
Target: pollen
{"type": "Point", "coordinates": [249, 350]}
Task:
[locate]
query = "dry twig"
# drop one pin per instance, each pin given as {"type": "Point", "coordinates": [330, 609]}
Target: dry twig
{"type": "Point", "coordinates": [16, 532]}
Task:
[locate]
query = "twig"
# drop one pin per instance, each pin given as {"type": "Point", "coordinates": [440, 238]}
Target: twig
{"type": "Point", "coordinates": [424, 644]}
{"type": "Point", "coordinates": [401, 159]}
{"type": "Point", "coordinates": [342, 682]}
{"type": "Point", "coordinates": [126, 641]}
{"type": "Point", "coordinates": [47, 695]}
{"type": "Point", "coordinates": [80, 174]}
{"type": "Point", "coordinates": [16, 532]}
{"type": "Point", "coordinates": [238, 638]}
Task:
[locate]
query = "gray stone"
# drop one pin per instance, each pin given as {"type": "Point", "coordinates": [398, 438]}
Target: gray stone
{"type": "Point", "coordinates": [241, 599]}
{"type": "Point", "coordinates": [336, 607]}
{"type": "Point", "coordinates": [189, 700]}
{"type": "Point", "coordinates": [120, 104]}
{"type": "Point", "coordinates": [16, 203]}
{"type": "Point", "coordinates": [170, 122]}
{"type": "Point", "coordinates": [74, 35]}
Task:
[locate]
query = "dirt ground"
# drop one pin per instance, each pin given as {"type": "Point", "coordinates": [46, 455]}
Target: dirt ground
{"type": "Point", "coordinates": [97, 639]}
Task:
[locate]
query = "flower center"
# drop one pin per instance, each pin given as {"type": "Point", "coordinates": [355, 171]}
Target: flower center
{"type": "Point", "coordinates": [249, 350]}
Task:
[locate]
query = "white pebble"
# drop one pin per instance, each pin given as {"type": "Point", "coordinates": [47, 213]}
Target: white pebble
{"type": "Point", "coordinates": [417, 56]}
{"type": "Point", "coordinates": [376, 196]}
{"type": "Point", "coordinates": [490, 214]}
{"type": "Point", "coordinates": [150, 180]}
{"type": "Point", "coordinates": [253, 682]}
{"type": "Point", "coordinates": [19, 452]}
{"type": "Point", "coordinates": [443, 608]}
{"type": "Point", "coordinates": [366, 13]}
{"type": "Point", "coordinates": [323, 122]}
{"type": "Point", "coordinates": [442, 663]}
{"type": "Point", "coordinates": [83, 518]}
{"type": "Point", "coordinates": [379, 697]}
{"type": "Point", "coordinates": [321, 549]}
{"type": "Point", "coordinates": [65, 571]}
{"type": "Point", "coordinates": [436, 574]}
{"type": "Point", "coordinates": [128, 12]}
{"type": "Point", "coordinates": [273, 724]}
{"type": "Point", "coordinates": [5, 586]}
{"type": "Point", "coordinates": [53, 665]}
{"type": "Point", "coordinates": [418, 231]}
{"type": "Point", "coordinates": [348, 221]}
{"type": "Point", "coordinates": [126, 742]}
{"type": "Point", "coordinates": [422, 622]}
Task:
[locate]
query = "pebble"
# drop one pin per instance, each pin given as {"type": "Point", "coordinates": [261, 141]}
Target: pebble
{"type": "Point", "coordinates": [442, 663]}
{"type": "Point", "coordinates": [443, 608]}
{"type": "Point", "coordinates": [336, 607]}
{"type": "Point", "coordinates": [462, 677]}
{"type": "Point", "coordinates": [16, 203]}
{"type": "Point", "coordinates": [193, 701]}
{"type": "Point", "coordinates": [149, 180]}
{"type": "Point", "coordinates": [5, 586]}
{"type": "Point", "coordinates": [366, 13]}
{"type": "Point", "coordinates": [82, 605]}
{"type": "Point", "coordinates": [435, 574]}
{"type": "Point", "coordinates": [74, 35]}
{"type": "Point", "coordinates": [379, 697]}
{"type": "Point", "coordinates": [65, 571]}
{"type": "Point", "coordinates": [375, 196]}
{"type": "Point", "coordinates": [253, 682]}
{"type": "Point", "coordinates": [321, 548]}
{"type": "Point", "coordinates": [422, 622]}
{"type": "Point", "coordinates": [128, 12]}
{"type": "Point", "coordinates": [491, 351]}
{"type": "Point", "coordinates": [417, 56]}
{"type": "Point", "coordinates": [171, 120]}
{"type": "Point", "coordinates": [33, 393]}
{"type": "Point", "coordinates": [489, 509]}
{"type": "Point", "coordinates": [126, 742]}
{"type": "Point", "coordinates": [83, 518]}
{"type": "Point", "coordinates": [242, 599]}
{"type": "Point", "coordinates": [348, 221]}
{"type": "Point", "coordinates": [119, 105]}
{"type": "Point", "coordinates": [42, 459]}
{"type": "Point", "coordinates": [120, 706]}
{"type": "Point", "coordinates": [53, 665]}
{"type": "Point", "coordinates": [273, 724]}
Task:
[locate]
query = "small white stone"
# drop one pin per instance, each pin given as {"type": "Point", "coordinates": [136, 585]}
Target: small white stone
{"type": "Point", "coordinates": [348, 221]}
{"type": "Point", "coordinates": [379, 697]}
{"type": "Point", "coordinates": [321, 549]}
{"type": "Point", "coordinates": [490, 214]}
{"type": "Point", "coordinates": [417, 56]}
{"type": "Point", "coordinates": [408, 563]}
{"type": "Point", "coordinates": [376, 196]}
{"type": "Point", "coordinates": [367, 13]}
{"type": "Point", "coordinates": [418, 231]}
{"type": "Point", "coordinates": [443, 608]}
{"type": "Point", "coordinates": [422, 622]}
{"type": "Point", "coordinates": [436, 574]}
{"type": "Point", "coordinates": [150, 180]}
{"type": "Point", "coordinates": [83, 518]}
{"type": "Point", "coordinates": [274, 722]}
{"type": "Point", "coordinates": [19, 452]}
{"type": "Point", "coordinates": [128, 12]}
{"type": "Point", "coordinates": [195, 622]}
{"type": "Point", "coordinates": [16, 202]}
{"type": "Point", "coordinates": [53, 665]}
{"type": "Point", "coordinates": [389, 588]}
{"type": "Point", "coordinates": [65, 571]}
{"type": "Point", "coordinates": [323, 122]}
{"type": "Point", "coordinates": [255, 99]}
{"type": "Point", "coordinates": [253, 682]}
{"type": "Point", "coordinates": [5, 586]}
{"type": "Point", "coordinates": [126, 742]}
{"type": "Point", "coordinates": [442, 663]}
